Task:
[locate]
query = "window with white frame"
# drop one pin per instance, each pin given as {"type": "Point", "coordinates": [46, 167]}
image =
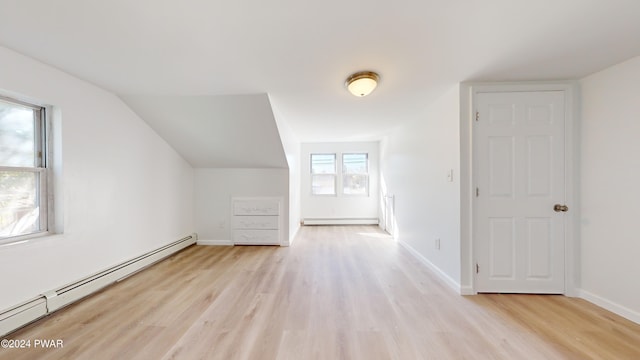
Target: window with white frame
{"type": "Point", "coordinates": [323, 174]}
{"type": "Point", "coordinates": [355, 174]}
{"type": "Point", "coordinates": [23, 169]}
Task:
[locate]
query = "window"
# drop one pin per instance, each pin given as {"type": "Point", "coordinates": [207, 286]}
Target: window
{"type": "Point", "coordinates": [355, 174]}
{"type": "Point", "coordinates": [323, 174]}
{"type": "Point", "coordinates": [23, 176]}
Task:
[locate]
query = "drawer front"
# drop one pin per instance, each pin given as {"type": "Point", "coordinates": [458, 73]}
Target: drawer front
{"type": "Point", "coordinates": [256, 237]}
{"type": "Point", "coordinates": [255, 222]}
{"type": "Point", "coordinates": [256, 207]}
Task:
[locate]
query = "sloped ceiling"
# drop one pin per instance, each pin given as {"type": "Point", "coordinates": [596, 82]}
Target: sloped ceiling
{"type": "Point", "coordinates": [301, 52]}
{"type": "Point", "coordinates": [233, 131]}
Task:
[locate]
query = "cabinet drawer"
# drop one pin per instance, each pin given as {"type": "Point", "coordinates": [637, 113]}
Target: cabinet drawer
{"type": "Point", "coordinates": [256, 237]}
{"type": "Point", "coordinates": [256, 207]}
{"type": "Point", "coordinates": [255, 222]}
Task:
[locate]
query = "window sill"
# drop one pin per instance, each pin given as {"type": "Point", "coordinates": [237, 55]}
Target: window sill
{"type": "Point", "coordinates": [25, 239]}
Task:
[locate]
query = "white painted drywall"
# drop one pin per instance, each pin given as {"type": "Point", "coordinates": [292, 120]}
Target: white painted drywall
{"type": "Point", "coordinates": [339, 206]}
{"type": "Point", "coordinates": [610, 174]}
{"type": "Point", "coordinates": [216, 187]}
{"type": "Point", "coordinates": [415, 162]}
{"type": "Point", "coordinates": [291, 146]}
{"type": "Point", "coordinates": [123, 190]}
{"type": "Point", "coordinates": [217, 131]}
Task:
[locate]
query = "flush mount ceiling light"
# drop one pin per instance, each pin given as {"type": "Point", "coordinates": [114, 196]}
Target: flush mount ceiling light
{"type": "Point", "coordinates": [362, 83]}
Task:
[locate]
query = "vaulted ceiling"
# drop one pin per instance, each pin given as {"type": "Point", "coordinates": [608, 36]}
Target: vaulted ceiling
{"type": "Point", "coordinates": [300, 52]}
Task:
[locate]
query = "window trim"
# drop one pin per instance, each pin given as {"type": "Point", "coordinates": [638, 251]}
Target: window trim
{"type": "Point", "coordinates": [21, 103]}
{"type": "Point", "coordinates": [41, 167]}
{"type": "Point", "coordinates": [334, 174]}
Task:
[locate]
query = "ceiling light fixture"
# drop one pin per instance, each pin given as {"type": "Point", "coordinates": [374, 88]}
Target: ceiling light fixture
{"type": "Point", "coordinates": [362, 83]}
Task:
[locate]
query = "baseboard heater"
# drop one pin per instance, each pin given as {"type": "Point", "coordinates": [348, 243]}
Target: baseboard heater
{"type": "Point", "coordinates": [340, 221]}
{"type": "Point", "coordinates": [27, 312]}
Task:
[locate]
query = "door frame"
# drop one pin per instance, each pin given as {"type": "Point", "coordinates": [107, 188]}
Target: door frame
{"type": "Point", "coordinates": [468, 94]}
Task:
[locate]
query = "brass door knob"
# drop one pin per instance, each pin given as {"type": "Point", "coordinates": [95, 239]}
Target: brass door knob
{"type": "Point", "coordinates": [560, 208]}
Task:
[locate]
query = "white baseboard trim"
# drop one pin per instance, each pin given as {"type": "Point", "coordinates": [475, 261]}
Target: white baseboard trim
{"type": "Point", "coordinates": [340, 221]}
{"type": "Point", "coordinates": [609, 305]}
{"type": "Point", "coordinates": [292, 236]}
{"type": "Point", "coordinates": [467, 290]}
{"type": "Point", "coordinates": [215, 242]}
{"type": "Point", "coordinates": [436, 270]}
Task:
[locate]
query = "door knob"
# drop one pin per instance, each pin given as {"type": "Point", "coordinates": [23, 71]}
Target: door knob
{"type": "Point", "coordinates": [560, 208]}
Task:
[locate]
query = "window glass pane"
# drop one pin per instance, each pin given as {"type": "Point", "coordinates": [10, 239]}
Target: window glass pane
{"type": "Point", "coordinates": [323, 184]}
{"type": "Point", "coordinates": [17, 135]}
{"type": "Point", "coordinates": [323, 163]}
{"type": "Point", "coordinates": [355, 184]}
{"type": "Point", "coordinates": [19, 203]}
{"type": "Point", "coordinates": [354, 164]}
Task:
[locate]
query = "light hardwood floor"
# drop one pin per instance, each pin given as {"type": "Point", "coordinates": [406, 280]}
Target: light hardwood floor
{"type": "Point", "coordinates": [337, 293]}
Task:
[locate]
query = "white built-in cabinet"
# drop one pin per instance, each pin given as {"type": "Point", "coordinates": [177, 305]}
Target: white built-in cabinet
{"type": "Point", "coordinates": [256, 220]}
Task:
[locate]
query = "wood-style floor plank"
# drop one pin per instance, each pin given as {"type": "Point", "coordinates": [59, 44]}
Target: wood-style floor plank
{"type": "Point", "coordinates": [337, 293]}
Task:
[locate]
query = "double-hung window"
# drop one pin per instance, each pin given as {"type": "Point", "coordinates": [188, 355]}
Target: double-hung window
{"type": "Point", "coordinates": [23, 172]}
{"type": "Point", "coordinates": [352, 173]}
{"type": "Point", "coordinates": [355, 174]}
{"type": "Point", "coordinates": [323, 174]}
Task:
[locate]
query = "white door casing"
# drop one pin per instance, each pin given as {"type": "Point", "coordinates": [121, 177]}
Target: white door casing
{"type": "Point", "coordinates": [519, 172]}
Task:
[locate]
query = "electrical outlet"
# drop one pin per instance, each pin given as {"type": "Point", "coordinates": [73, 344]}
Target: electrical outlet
{"type": "Point", "coordinates": [437, 244]}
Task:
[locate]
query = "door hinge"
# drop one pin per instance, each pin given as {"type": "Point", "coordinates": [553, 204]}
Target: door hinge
{"type": "Point", "coordinates": [477, 192]}
{"type": "Point", "coordinates": [477, 268]}
{"type": "Point", "coordinates": [477, 115]}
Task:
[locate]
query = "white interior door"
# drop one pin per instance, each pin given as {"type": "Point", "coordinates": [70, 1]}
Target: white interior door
{"type": "Point", "coordinates": [519, 171]}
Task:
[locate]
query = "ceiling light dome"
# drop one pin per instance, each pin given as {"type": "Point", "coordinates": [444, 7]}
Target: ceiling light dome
{"type": "Point", "coordinates": [362, 83]}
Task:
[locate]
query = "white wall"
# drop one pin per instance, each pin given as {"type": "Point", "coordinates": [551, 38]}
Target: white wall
{"type": "Point", "coordinates": [216, 187]}
{"type": "Point", "coordinates": [610, 194]}
{"type": "Point", "coordinates": [124, 191]}
{"type": "Point", "coordinates": [339, 206]}
{"type": "Point", "coordinates": [291, 146]}
{"type": "Point", "coordinates": [415, 162]}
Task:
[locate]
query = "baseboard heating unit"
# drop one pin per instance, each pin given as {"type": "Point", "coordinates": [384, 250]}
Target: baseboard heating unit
{"type": "Point", "coordinates": [341, 221]}
{"type": "Point", "coordinates": [29, 311]}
